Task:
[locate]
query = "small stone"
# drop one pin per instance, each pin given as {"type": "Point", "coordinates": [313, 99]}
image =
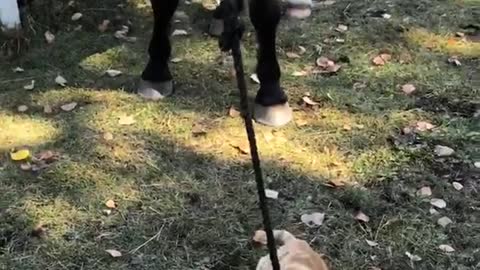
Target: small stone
{"type": "Point", "coordinates": [457, 186]}
{"type": "Point", "coordinates": [444, 221]}
{"type": "Point", "coordinates": [443, 151]}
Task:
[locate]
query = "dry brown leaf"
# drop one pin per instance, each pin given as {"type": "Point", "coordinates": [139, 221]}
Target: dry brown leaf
{"type": "Point", "coordinates": [443, 151]}
{"type": "Point", "coordinates": [444, 221]}
{"type": "Point", "coordinates": [111, 204]}
{"type": "Point", "coordinates": [60, 81]}
{"type": "Point", "coordinates": [69, 106]}
{"type": "Point", "coordinates": [457, 186]}
{"type": "Point", "coordinates": [107, 136]}
{"type": "Point", "coordinates": [126, 120]}
{"type": "Point", "coordinates": [39, 231]}
{"type": "Point", "coordinates": [326, 65]}
{"type": "Point", "coordinates": [360, 216]}
{"type": "Point", "coordinates": [413, 258]}
{"type": "Point", "coordinates": [272, 194]}
{"type": "Point", "coordinates": [29, 86]}
{"type": "Point", "coordinates": [47, 156]}
{"type": "Point", "coordinates": [198, 130]}
{"type": "Point", "coordinates": [408, 88]}
{"type": "Point", "coordinates": [439, 203]}
{"type": "Point", "coordinates": [341, 28]}
{"type": "Point", "coordinates": [243, 148]}
{"type": "Point", "coordinates": [293, 55]}
{"type": "Point", "coordinates": [336, 182]}
{"type": "Point", "coordinates": [233, 112]}
{"type": "Point", "coordinates": [324, 62]}
{"type": "Point", "coordinates": [421, 126]}
{"type": "Point", "coordinates": [254, 77]}
{"type": "Point", "coordinates": [446, 248]}
{"type": "Point", "coordinates": [382, 59]}
{"type": "Point", "coordinates": [49, 37]}
{"type": "Point", "coordinates": [313, 220]}
{"type": "Point", "coordinates": [424, 192]}
{"type": "Point", "coordinates": [77, 16]}
{"type": "Point", "coordinates": [47, 109]}
{"type": "Point", "coordinates": [114, 253]}
{"type": "Point", "coordinates": [372, 243]}
{"type": "Point", "coordinates": [22, 108]}
{"type": "Point", "coordinates": [309, 101]}
{"type": "Point", "coordinates": [103, 26]}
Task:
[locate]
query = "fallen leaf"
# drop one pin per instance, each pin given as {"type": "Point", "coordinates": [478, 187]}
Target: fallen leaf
{"type": "Point", "coordinates": [382, 59]}
{"type": "Point", "coordinates": [232, 112]}
{"type": "Point", "coordinates": [477, 164]}
{"type": "Point", "coordinates": [39, 231]}
{"type": "Point", "coordinates": [243, 148]}
{"type": "Point", "coordinates": [423, 126]}
{"type": "Point", "coordinates": [424, 192]}
{"type": "Point", "coordinates": [61, 81]}
{"type": "Point", "coordinates": [326, 65]}
{"type": "Point", "coordinates": [360, 216]}
{"type": "Point", "coordinates": [77, 16]}
{"type": "Point", "coordinates": [272, 194]}
{"type": "Point", "coordinates": [444, 221]}
{"type": "Point", "coordinates": [18, 70]}
{"type": "Point", "coordinates": [413, 258]}
{"type": "Point", "coordinates": [111, 204]}
{"type": "Point", "coordinates": [25, 166]}
{"type": "Point", "coordinates": [47, 156]}
{"type": "Point", "coordinates": [443, 151]}
{"type": "Point", "coordinates": [408, 88]}
{"type": "Point", "coordinates": [372, 243]}
{"type": "Point", "coordinates": [126, 120]}
{"type": "Point", "coordinates": [107, 136]}
{"type": "Point", "coordinates": [179, 32]}
{"type": "Point", "coordinates": [324, 62]}
{"type": "Point", "coordinates": [107, 212]}
{"type": "Point", "coordinates": [176, 60]}
{"type": "Point", "coordinates": [69, 106]}
{"type": "Point", "coordinates": [313, 220]}
{"type": "Point", "coordinates": [336, 182]}
{"type": "Point", "coordinates": [386, 16]}
{"type": "Point", "coordinates": [457, 186]}
{"type": "Point", "coordinates": [341, 28]}
{"type": "Point", "coordinates": [47, 109]}
{"type": "Point", "coordinates": [454, 60]}
{"type": "Point", "coordinates": [103, 26]}
{"type": "Point", "coordinates": [446, 248]}
{"type": "Point", "coordinates": [293, 55]}
{"type": "Point", "coordinates": [114, 253]}
{"type": "Point", "coordinates": [309, 101]}
{"type": "Point", "coordinates": [29, 86]}
{"type": "Point", "coordinates": [22, 108]}
{"type": "Point", "coordinates": [433, 211]}
{"type": "Point", "coordinates": [20, 155]}
{"type": "Point", "coordinates": [49, 37]}
{"type": "Point", "coordinates": [302, 49]}
{"type": "Point", "coordinates": [254, 77]}
{"type": "Point", "coordinates": [347, 127]}
{"type": "Point", "coordinates": [439, 203]}
{"type": "Point", "coordinates": [113, 72]}
{"type": "Point", "coordinates": [301, 73]}
{"type": "Point", "coordinates": [198, 130]}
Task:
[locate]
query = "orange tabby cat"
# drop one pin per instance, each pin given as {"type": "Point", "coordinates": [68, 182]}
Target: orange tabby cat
{"type": "Point", "coordinates": [293, 254]}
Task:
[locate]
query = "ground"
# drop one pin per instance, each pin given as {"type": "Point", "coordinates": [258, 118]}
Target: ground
{"type": "Point", "coordinates": [178, 175]}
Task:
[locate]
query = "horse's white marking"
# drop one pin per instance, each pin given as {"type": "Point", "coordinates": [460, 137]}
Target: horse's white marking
{"type": "Point", "coordinates": [9, 15]}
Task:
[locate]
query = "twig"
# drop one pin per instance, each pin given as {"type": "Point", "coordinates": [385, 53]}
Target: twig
{"type": "Point", "coordinates": [148, 241]}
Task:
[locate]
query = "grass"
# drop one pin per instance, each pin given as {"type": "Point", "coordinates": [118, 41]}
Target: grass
{"type": "Point", "coordinates": [198, 191]}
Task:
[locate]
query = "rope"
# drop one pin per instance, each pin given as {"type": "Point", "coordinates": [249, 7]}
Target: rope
{"type": "Point", "coordinates": [231, 40]}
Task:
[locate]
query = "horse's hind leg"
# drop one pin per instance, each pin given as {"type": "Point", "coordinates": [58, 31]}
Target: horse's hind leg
{"type": "Point", "coordinates": [157, 81]}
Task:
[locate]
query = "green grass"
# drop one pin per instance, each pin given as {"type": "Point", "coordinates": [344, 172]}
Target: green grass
{"type": "Point", "coordinates": [199, 190]}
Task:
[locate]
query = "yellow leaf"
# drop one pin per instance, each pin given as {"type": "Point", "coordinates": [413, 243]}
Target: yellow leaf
{"type": "Point", "coordinates": [20, 154]}
{"type": "Point", "coordinates": [111, 204]}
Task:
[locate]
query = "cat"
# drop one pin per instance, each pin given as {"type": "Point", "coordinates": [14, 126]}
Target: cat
{"type": "Point", "coordinates": [293, 254]}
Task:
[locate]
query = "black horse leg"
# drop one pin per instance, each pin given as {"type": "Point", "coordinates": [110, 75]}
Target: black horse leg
{"type": "Point", "coordinates": [271, 106]}
{"type": "Point", "coordinates": [157, 81]}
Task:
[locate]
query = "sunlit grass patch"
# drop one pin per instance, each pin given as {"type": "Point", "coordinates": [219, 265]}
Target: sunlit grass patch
{"type": "Point", "coordinates": [443, 43]}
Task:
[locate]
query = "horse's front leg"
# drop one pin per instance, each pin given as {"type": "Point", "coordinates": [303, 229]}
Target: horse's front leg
{"type": "Point", "coordinates": [157, 81]}
{"type": "Point", "coordinates": [271, 106]}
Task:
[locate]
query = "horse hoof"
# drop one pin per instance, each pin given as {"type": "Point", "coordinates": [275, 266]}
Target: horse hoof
{"type": "Point", "coordinates": [216, 27]}
{"type": "Point", "coordinates": [155, 90]}
{"type": "Point", "coordinates": [299, 9]}
{"type": "Point", "coordinates": [274, 116]}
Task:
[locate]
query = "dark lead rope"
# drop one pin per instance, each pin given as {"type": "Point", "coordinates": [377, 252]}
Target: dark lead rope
{"type": "Point", "coordinates": [235, 37]}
